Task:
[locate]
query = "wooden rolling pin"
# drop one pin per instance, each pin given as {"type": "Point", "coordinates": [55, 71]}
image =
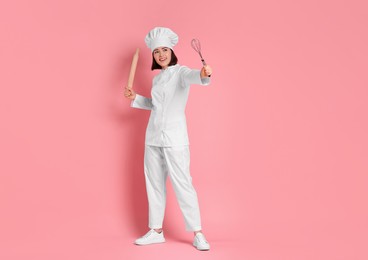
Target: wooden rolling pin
{"type": "Point", "coordinates": [133, 67]}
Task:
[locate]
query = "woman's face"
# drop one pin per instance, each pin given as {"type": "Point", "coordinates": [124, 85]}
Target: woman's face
{"type": "Point", "coordinates": [162, 56]}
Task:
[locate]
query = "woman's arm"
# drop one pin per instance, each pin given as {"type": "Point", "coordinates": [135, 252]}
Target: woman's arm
{"type": "Point", "coordinates": [138, 101]}
{"type": "Point", "coordinates": [194, 76]}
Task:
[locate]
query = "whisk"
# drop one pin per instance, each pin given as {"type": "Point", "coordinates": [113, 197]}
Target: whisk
{"type": "Point", "coordinates": [196, 45]}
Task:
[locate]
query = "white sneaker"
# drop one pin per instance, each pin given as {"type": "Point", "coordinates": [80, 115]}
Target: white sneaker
{"type": "Point", "coordinates": [152, 237]}
{"type": "Point", "coordinates": [200, 242]}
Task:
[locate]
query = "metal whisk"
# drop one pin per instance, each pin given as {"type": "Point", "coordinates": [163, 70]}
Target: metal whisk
{"type": "Point", "coordinates": [196, 45]}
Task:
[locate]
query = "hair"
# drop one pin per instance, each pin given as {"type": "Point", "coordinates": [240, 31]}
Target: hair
{"type": "Point", "coordinates": [173, 61]}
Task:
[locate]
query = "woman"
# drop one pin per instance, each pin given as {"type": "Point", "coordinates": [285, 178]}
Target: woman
{"type": "Point", "coordinates": [167, 144]}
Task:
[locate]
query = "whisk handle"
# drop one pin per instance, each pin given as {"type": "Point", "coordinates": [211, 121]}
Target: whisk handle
{"type": "Point", "coordinates": [204, 64]}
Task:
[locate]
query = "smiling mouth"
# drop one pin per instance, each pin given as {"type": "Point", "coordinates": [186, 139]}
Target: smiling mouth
{"type": "Point", "coordinates": [163, 59]}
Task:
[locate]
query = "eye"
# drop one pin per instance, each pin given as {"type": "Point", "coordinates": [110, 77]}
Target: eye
{"type": "Point", "coordinates": [165, 49]}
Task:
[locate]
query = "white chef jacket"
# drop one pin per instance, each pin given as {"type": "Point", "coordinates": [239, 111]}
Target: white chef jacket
{"type": "Point", "coordinates": [170, 89]}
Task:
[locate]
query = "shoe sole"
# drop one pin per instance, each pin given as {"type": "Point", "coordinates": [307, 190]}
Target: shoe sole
{"type": "Point", "coordinates": [146, 244]}
{"type": "Point", "coordinates": [201, 249]}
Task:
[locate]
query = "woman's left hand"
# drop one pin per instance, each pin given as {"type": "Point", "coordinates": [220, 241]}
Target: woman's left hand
{"type": "Point", "coordinates": [206, 71]}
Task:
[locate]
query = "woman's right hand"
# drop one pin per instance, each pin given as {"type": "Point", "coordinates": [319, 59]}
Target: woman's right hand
{"type": "Point", "coordinates": [129, 93]}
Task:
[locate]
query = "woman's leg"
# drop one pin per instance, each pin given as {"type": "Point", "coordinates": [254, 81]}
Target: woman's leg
{"type": "Point", "coordinates": [178, 161]}
{"type": "Point", "coordinates": [155, 176]}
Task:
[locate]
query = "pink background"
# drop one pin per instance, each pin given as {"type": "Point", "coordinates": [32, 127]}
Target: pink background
{"type": "Point", "coordinates": [278, 141]}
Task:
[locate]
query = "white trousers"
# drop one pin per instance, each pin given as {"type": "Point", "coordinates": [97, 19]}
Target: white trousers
{"type": "Point", "coordinates": [159, 162]}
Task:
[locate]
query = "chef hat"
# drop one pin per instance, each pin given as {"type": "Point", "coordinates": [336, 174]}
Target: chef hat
{"type": "Point", "coordinates": [161, 37]}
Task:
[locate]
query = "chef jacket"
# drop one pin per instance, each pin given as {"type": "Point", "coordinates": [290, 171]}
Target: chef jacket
{"type": "Point", "coordinates": [170, 89]}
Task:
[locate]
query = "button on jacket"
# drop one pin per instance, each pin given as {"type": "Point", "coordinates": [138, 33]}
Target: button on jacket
{"type": "Point", "coordinates": [170, 89]}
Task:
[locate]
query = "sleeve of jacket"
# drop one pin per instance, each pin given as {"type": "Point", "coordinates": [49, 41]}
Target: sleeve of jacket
{"type": "Point", "coordinates": [142, 102]}
{"type": "Point", "coordinates": [193, 76]}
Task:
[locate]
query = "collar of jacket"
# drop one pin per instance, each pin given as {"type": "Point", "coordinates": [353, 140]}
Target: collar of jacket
{"type": "Point", "coordinates": [170, 69]}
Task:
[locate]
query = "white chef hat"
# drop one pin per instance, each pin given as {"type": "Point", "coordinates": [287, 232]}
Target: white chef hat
{"type": "Point", "coordinates": [161, 37]}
